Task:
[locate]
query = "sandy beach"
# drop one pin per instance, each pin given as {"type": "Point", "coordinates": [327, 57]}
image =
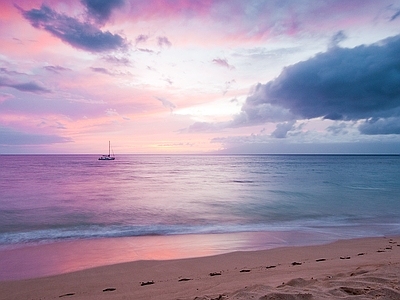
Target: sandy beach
{"type": "Point", "coordinates": [367, 268]}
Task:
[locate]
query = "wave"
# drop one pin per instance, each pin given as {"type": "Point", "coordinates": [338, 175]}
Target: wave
{"type": "Point", "coordinates": [341, 227]}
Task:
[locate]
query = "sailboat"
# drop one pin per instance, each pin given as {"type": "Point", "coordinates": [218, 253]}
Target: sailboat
{"type": "Point", "coordinates": [105, 156]}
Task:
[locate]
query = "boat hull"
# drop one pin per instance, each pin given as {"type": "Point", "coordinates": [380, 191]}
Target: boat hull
{"type": "Point", "coordinates": [106, 158]}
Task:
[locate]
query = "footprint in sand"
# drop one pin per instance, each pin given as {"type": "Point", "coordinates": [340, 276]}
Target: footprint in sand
{"type": "Point", "coordinates": [66, 295]}
{"type": "Point", "coordinates": [270, 267]}
{"type": "Point", "coordinates": [245, 271]}
{"type": "Point", "coordinates": [143, 283]}
{"type": "Point", "coordinates": [184, 279]}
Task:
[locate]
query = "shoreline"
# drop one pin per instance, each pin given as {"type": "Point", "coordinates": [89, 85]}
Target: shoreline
{"type": "Point", "coordinates": [39, 260]}
{"type": "Point", "coordinates": [364, 267]}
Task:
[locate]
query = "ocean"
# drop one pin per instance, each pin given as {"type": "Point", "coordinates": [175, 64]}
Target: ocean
{"type": "Point", "coordinates": [52, 199]}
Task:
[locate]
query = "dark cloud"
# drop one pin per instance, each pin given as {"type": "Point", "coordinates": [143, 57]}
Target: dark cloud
{"type": "Point", "coordinates": [23, 87]}
{"type": "Point", "coordinates": [78, 34]}
{"type": "Point", "coordinates": [101, 10]}
{"type": "Point", "coordinates": [10, 137]}
{"type": "Point", "coordinates": [163, 41]}
{"type": "Point", "coordinates": [340, 84]}
{"type": "Point", "coordinates": [380, 126]}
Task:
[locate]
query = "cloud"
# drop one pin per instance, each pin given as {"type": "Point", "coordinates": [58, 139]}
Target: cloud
{"type": "Point", "coordinates": [80, 35]}
{"type": "Point", "coordinates": [282, 129]}
{"type": "Point", "coordinates": [117, 60]}
{"type": "Point", "coordinates": [338, 128]}
{"type": "Point", "coordinates": [101, 10]}
{"type": "Point", "coordinates": [223, 63]}
{"type": "Point", "coordinates": [111, 112]}
{"type": "Point", "coordinates": [168, 80]}
{"type": "Point", "coordinates": [337, 38]}
{"type": "Point", "coordinates": [145, 50]}
{"type": "Point", "coordinates": [261, 113]}
{"type": "Point", "coordinates": [340, 84]}
{"type": "Point", "coordinates": [199, 127]}
{"type": "Point", "coordinates": [141, 39]}
{"type": "Point", "coordinates": [395, 16]}
{"type": "Point", "coordinates": [11, 137]}
{"type": "Point", "coordinates": [166, 103]}
{"type": "Point", "coordinates": [343, 84]}
{"type": "Point", "coordinates": [163, 41]}
{"type": "Point", "coordinates": [102, 70]}
{"type": "Point", "coordinates": [236, 140]}
{"type": "Point", "coordinates": [109, 72]}
{"type": "Point", "coordinates": [228, 85]}
{"type": "Point", "coordinates": [56, 69]}
{"type": "Point", "coordinates": [381, 126]}
{"type": "Point", "coordinates": [31, 86]}
{"type": "Point", "coordinates": [8, 72]}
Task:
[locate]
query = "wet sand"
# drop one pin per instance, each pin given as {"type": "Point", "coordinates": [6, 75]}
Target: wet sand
{"type": "Point", "coordinates": [367, 268]}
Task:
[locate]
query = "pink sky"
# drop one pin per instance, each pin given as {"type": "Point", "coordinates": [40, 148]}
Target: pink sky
{"type": "Point", "coordinates": [181, 76]}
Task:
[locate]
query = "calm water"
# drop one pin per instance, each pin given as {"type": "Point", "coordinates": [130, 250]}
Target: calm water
{"type": "Point", "coordinates": [71, 197]}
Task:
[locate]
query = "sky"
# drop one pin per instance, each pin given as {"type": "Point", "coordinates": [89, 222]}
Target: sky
{"type": "Point", "coordinates": [199, 76]}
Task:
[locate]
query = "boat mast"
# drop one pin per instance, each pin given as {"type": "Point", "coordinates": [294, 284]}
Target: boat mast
{"type": "Point", "coordinates": [109, 147]}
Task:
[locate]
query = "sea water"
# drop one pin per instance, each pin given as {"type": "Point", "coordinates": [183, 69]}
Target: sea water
{"type": "Point", "coordinates": [62, 213]}
{"type": "Point", "coordinates": [49, 198]}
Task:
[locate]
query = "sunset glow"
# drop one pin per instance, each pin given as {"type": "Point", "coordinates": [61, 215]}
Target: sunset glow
{"type": "Point", "coordinates": [199, 76]}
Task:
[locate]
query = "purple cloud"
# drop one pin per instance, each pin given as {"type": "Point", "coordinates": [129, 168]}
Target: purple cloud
{"type": "Point", "coordinates": [24, 87]}
{"type": "Point", "coordinates": [56, 69]}
{"type": "Point", "coordinates": [101, 10]}
{"type": "Point", "coordinates": [80, 35]}
{"type": "Point", "coordinates": [101, 70]}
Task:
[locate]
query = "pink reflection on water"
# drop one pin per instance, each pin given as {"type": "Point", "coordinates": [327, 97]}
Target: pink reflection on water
{"type": "Point", "coordinates": [62, 257]}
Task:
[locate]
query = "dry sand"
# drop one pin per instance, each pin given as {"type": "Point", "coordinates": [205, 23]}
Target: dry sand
{"type": "Point", "coordinates": [349, 269]}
